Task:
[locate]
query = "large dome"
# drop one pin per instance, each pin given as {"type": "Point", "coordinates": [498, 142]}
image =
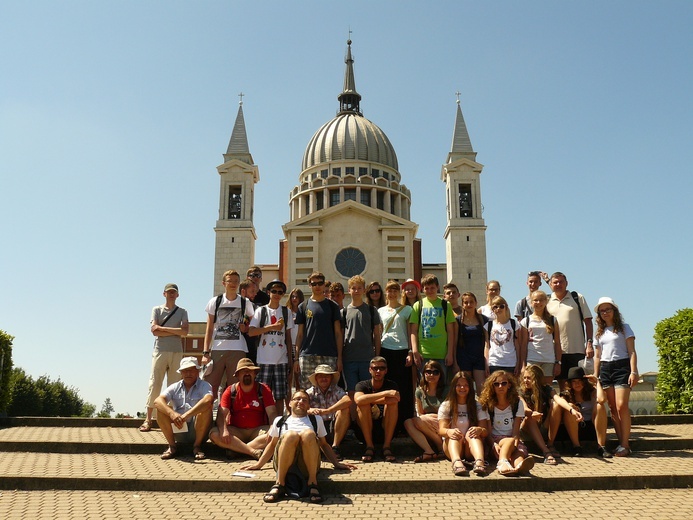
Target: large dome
{"type": "Point", "coordinates": [349, 136]}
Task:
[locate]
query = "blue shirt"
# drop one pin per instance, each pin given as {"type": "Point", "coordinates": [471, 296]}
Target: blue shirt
{"type": "Point", "coordinates": [182, 400]}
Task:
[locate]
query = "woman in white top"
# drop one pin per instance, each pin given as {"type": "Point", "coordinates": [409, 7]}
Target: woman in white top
{"type": "Point", "coordinates": [463, 426]}
{"type": "Point", "coordinates": [616, 365]}
{"type": "Point", "coordinates": [502, 351]}
{"type": "Point", "coordinates": [493, 289]}
{"type": "Point", "coordinates": [541, 339]}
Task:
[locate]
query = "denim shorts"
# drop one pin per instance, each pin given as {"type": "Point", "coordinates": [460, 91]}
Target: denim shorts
{"type": "Point", "coordinates": [614, 373]}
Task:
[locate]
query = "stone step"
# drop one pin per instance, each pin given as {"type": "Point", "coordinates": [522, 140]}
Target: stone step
{"type": "Point", "coordinates": [40, 471]}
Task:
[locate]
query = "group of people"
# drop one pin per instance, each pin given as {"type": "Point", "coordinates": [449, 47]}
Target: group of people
{"type": "Point", "coordinates": [462, 380]}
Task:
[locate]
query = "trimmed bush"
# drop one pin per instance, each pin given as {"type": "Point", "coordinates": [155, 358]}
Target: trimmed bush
{"type": "Point", "coordinates": [674, 339]}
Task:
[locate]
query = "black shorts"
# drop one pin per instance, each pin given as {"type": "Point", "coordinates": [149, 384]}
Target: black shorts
{"type": "Point", "coordinates": [614, 373]}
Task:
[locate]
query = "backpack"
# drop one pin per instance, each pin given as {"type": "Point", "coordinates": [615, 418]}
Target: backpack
{"type": "Point", "coordinates": [234, 392]}
{"type": "Point", "coordinates": [220, 297]}
{"type": "Point", "coordinates": [263, 316]}
{"type": "Point", "coordinates": [296, 482]}
{"type": "Point", "coordinates": [574, 294]}
{"type": "Point", "coordinates": [489, 326]}
{"type": "Point", "coordinates": [445, 311]}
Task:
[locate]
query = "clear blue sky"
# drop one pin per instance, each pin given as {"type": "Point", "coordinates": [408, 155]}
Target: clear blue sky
{"type": "Point", "coordinates": [114, 116]}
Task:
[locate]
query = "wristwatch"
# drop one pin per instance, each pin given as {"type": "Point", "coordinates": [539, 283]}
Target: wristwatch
{"type": "Point", "coordinates": [206, 352]}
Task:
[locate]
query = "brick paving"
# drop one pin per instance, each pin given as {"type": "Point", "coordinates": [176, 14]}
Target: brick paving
{"type": "Point", "coordinates": [647, 504]}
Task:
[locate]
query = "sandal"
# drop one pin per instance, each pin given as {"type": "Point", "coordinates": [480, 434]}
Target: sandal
{"type": "Point", "coordinates": [146, 426]}
{"type": "Point", "coordinates": [279, 493]}
{"type": "Point", "coordinates": [335, 450]}
{"type": "Point", "coordinates": [426, 457]}
{"type": "Point", "coordinates": [388, 455]}
{"type": "Point", "coordinates": [505, 468]}
{"type": "Point", "coordinates": [479, 467]}
{"type": "Point", "coordinates": [314, 494]}
{"type": "Point", "coordinates": [549, 459]}
{"type": "Point", "coordinates": [458, 468]}
{"type": "Point", "coordinates": [257, 454]}
{"type": "Point", "coordinates": [170, 453]}
{"type": "Point", "coordinates": [368, 454]}
{"type": "Point", "coordinates": [526, 465]}
{"type": "Point", "coordinates": [622, 452]}
{"type": "Point", "coordinates": [603, 453]}
{"type": "Point", "coordinates": [198, 453]}
{"type": "Point", "coordinates": [552, 449]}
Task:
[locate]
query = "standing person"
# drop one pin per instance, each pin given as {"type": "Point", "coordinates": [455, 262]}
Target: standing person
{"type": "Point", "coordinates": [396, 349]}
{"type": "Point", "coordinates": [493, 289]}
{"type": "Point", "coordinates": [361, 323]}
{"type": "Point", "coordinates": [169, 324]}
{"type": "Point", "coordinates": [337, 294]}
{"type": "Point", "coordinates": [616, 365]}
{"type": "Point", "coordinates": [423, 429]}
{"type": "Point", "coordinates": [431, 327]}
{"type": "Point", "coordinates": [295, 299]}
{"type": "Point", "coordinates": [377, 401]}
{"type": "Point", "coordinates": [572, 312]}
{"type": "Point", "coordinates": [374, 295]}
{"type": "Point", "coordinates": [523, 307]}
{"type": "Point", "coordinates": [464, 425]}
{"type": "Point", "coordinates": [297, 438]}
{"type": "Point", "coordinates": [273, 324]}
{"type": "Point", "coordinates": [471, 341]}
{"type": "Point", "coordinates": [319, 339]}
{"type": "Point", "coordinates": [227, 320]}
{"type": "Point", "coordinates": [541, 338]}
{"type": "Point", "coordinates": [452, 295]}
{"type": "Point", "coordinates": [248, 289]}
{"type": "Point", "coordinates": [500, 399]}
{"type": "Point", "coordinates": [411, 292]}
{"type": "Point", "coordinates": [187, 406]}
{"type": "Point", "coordinates": [503, 350]}
{"type": "Point", "coordinates": [260, 297]}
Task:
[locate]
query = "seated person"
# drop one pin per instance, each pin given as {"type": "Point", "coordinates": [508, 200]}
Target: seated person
{"type": "Point", "coordinates": [463, 426]}
{"type": "Point", "coordinates": [543, 407]}
{"type": "Point", "coordinates": [330, 402]}
{"type": "Point", "coordinates": [377, 402]}
{"type": "Point", "coordinates": [297, 438]}
{"type": "Point", "coordinates": [187, 406]}
{"type": "Point", "coordinates": [245, 411]}
{"type": "Point", "coordinates": [587, 409]}
{"type": "Point", "coordinates": [423, 429]}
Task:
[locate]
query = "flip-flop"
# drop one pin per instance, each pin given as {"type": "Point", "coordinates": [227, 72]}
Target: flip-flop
{"type": "Point", "coordinates": [526, 465]}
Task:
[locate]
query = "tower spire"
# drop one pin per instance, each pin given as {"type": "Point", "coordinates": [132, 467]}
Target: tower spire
{"type": "Point", "coordinates": [461, 144]}
{"type": "Point", "coordinates": [349, 99]}
{"type": "Point", "coordinates": [238, 144]}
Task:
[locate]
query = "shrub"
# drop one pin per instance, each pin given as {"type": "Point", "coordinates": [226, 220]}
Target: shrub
{"type": "Point", "coordinates": [674, 340]}
{"type": "Point", "coordinates": [5, 369]}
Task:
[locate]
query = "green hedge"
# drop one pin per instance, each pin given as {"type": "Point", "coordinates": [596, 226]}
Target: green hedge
{"type": "Point", "coordinates": [674, 340]}
{"type": "Point", "coordinates": [5, 369]}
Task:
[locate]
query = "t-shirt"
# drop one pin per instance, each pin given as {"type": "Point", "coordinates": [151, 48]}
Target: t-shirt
{"type": "Point", "coordinates": [248, 411]}
{"type": "Point", "coordinates": [540, 347]}
{"type": "Point", "coordinates": [487, 311]}
{"type": "Point", "coordinates": [523, 308]}
{"type": "Point", "coordinates": [318, 334]}
{"type": "Point", "coordinates": [395, 332]}
{"type": "Point", "coordinates": [358, 333]}
{"type": "Point", "coordinates": [444, 413]}
{"type": "Point", "coordinates": [227, 335]}
{"type": "Point", "coordinates": [568, 315]}
{"type": "Point", "coordinates": [429, 403]}
{"type": "Point", "coordinates": [271, 349]}
{"type": "Point", "coordinates": [502, 352]}
{"type": "Point", "coordinates": [367, 386]}
{"type": "Point", "coordinates": [503, 419]}
{"type": "Point", "coordinates": [176, 321]}
{"type": "Point", "coordinates": [433, 335]}
{"type": "Point", "coordinates": [297, 424]}
{"type": "Point", "coordinates": [613, 345]}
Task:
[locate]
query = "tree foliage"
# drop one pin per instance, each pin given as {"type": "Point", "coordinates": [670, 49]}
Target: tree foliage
{"type": "Point", "coordinates": [5, 368]}
{"type": "Point", "coordinates": [674, 340]}
{"type": "Point", "coordinates": [44, 397]}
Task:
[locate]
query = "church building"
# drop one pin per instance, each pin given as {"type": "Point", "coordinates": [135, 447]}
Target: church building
{"type": "Point", "coordinates": [350, 211]}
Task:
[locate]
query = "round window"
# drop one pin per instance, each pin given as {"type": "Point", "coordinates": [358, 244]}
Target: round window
{"type": "Point", "coordinates": [349, 262]}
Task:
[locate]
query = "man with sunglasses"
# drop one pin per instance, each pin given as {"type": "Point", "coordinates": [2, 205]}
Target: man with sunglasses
{"type": "Point", "coordinates": [261, 297]}
{"type": "Point", "coordinates": [319, 337]}
{"type": "Point", "coordinates": [273, 323]}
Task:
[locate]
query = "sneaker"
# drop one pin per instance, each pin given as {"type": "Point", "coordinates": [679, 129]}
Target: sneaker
{"type": "Point", "coordinates": [603, 453]}
{"type": "Point", "coordinates": [577, 451]}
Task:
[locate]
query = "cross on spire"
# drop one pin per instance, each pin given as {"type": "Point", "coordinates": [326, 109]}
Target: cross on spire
{"type": "Point", "coordinates": [241, 97]}
{"type": "Point", "coordinates": [458, 94]}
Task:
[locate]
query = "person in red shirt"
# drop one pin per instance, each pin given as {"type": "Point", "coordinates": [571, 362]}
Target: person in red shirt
{"type": "Point", "coordinates": [246, 410]}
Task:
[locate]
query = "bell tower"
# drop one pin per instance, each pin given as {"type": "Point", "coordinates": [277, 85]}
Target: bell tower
{"type": "Point", "coordinates": [465, 232]}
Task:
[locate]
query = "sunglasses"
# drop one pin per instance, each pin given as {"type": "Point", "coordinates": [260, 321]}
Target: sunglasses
{"type": "Point", "coordinates": [432, 372]}
{"type": "Point", "coordinates": [498, 384]}
{"type": "Point", "coordinates": [315, 284]}
{"type": "Point", "coordinates": [276, 291]}
{"type": "Point", "coordinates": [374, 291]}
{"type": "Point", "coordinates": [255, 275]}
{"type": "Point", "coordinates": [500, 306]}
{"type": "Point", "coordinates": [378, 369]}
